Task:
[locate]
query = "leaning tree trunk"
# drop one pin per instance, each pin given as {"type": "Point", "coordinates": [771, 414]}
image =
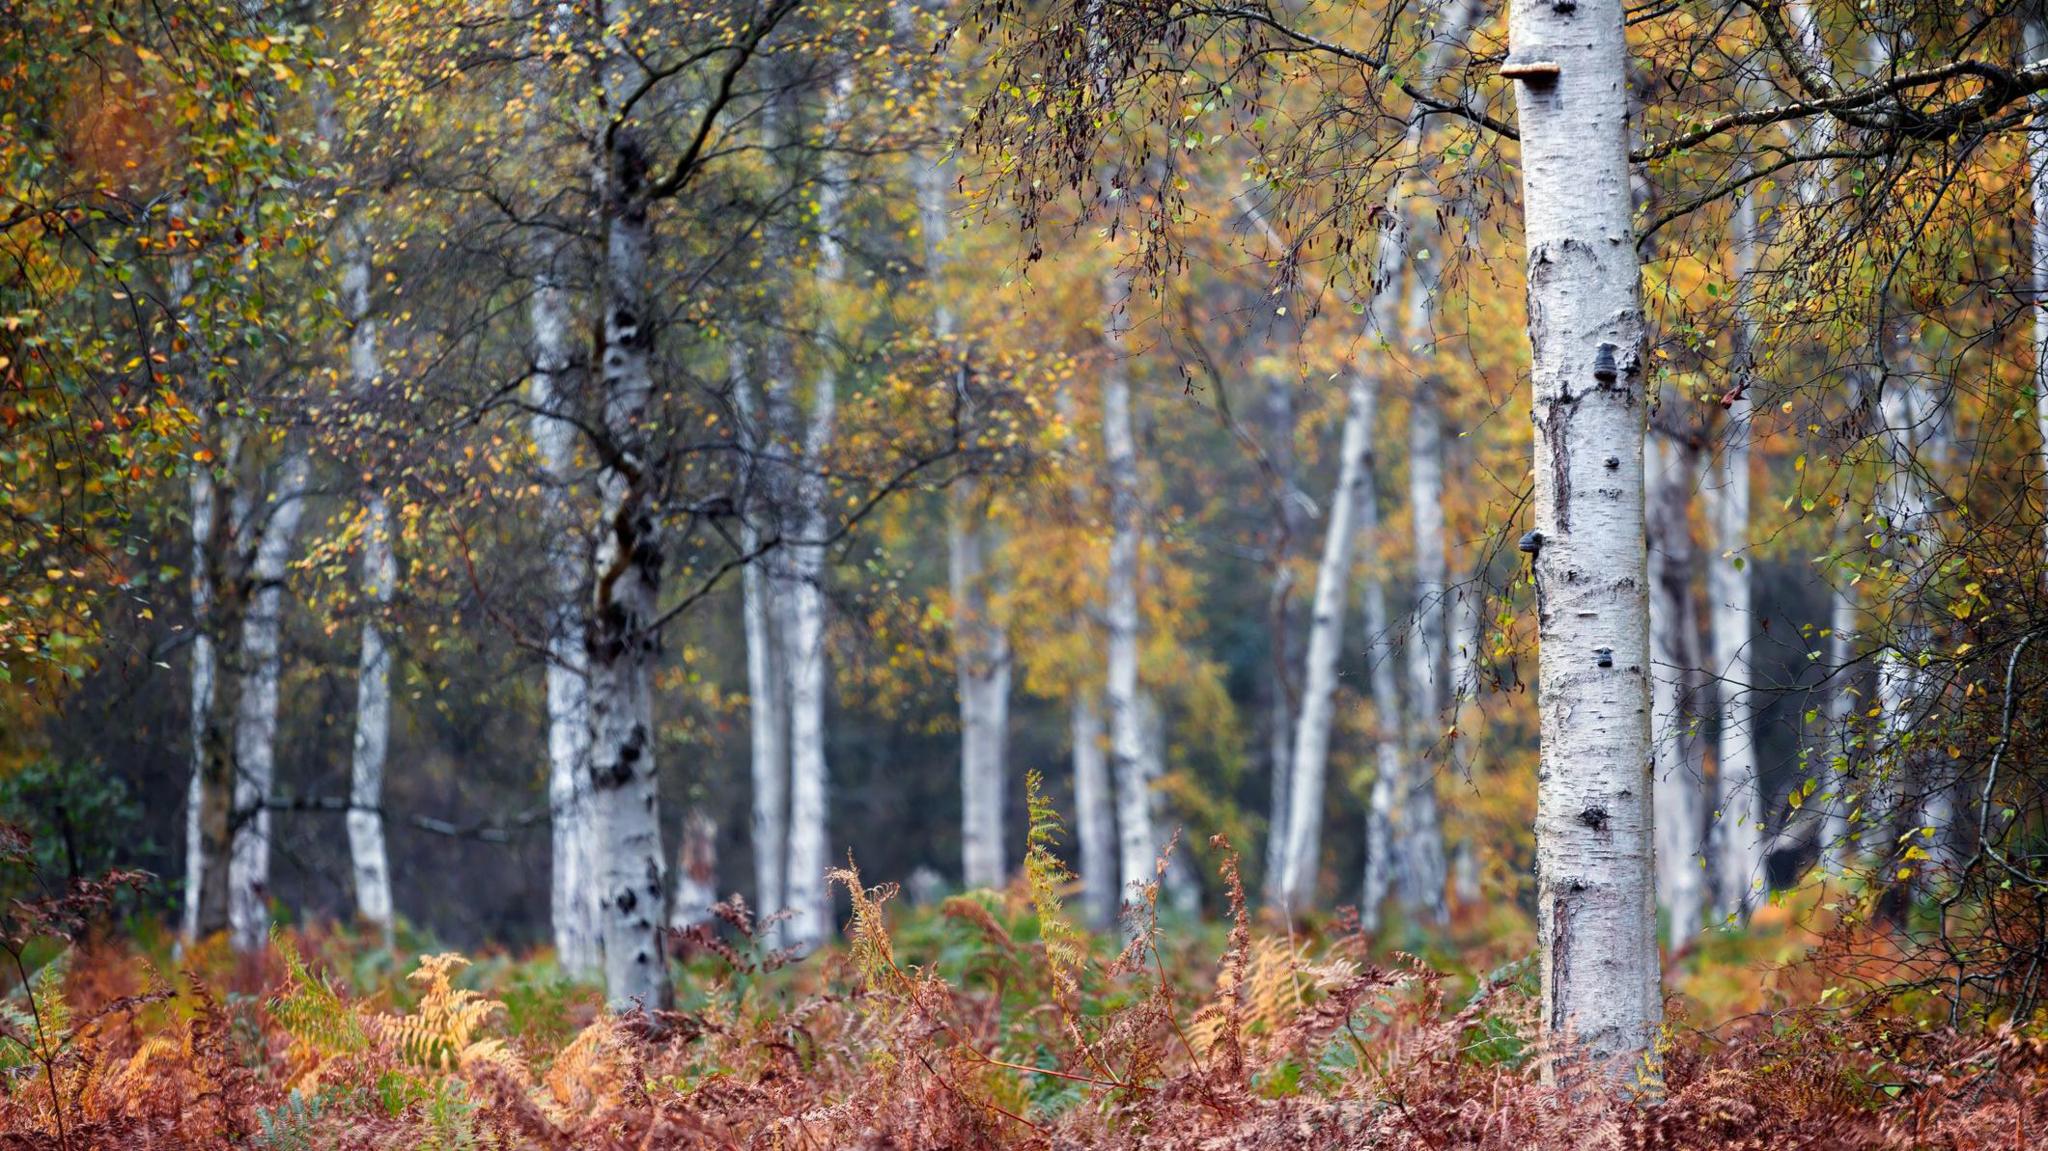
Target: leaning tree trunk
{"type": "Point", "coordinates": [631, 868]}
{"type": "Point", "coordinates": [1296, 889]}
{"type": "Point", "coordinates": [809, 901]}
{"type": "Point", "coordinates": [1596, 895]}
{"type": "Point", "coordinates": [370, 862]}
{"type": "Point", "coordinates": [1740, 794]}
{"type": "Point", "coordinates": [1094, 813]}
{"type": "Point", "coordinates": [1137, 838]}
{"type": "Point", "coordinates": [255, 739]}
{"type": "Point", "coordinates": [1672, 475]}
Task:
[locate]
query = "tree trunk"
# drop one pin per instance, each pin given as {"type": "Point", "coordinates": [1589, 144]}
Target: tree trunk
{"type": "Point", "coordinates": [573, 878]}
{"type": "Point", "coordinates": [696, 871]}
{"type": "Point", "coordinates": [255, 740]}
{"type": "Point", "coordinates": [1672, 475]}
{"type": "Point", "coordinates": [809, 901]}
{"type": "Point", "coordinates": [767, 711]}
{"type": "Point", "coordinates": [1386, 710]}
{"type": "Point", "coordinates": [1415, 829]}
{"type": "Point", "coordinates": [981, 646]}
{"type": "Point", "coordinates": [982, 672]}
{"type": "Point", "coordinates": [1094, 813]}
{"type": "Point", "coordinates": [371, 863]}
{"type": "Point", "coordinates": [624, 802]}
{"type": "Point", "coordinates": [1744, 806]}
{"type": "Point", "coordinates": [1837, 841]}
{"type": "Point", "coordinates": [1283, 692]}
{"type": "Point", "coordinates": [207, 802]}
{"type": "Point", "coordinates": [1300, 860]}
{"type": "Point", "coordinates": [1596, 895]}
{"type": "Point", "coordinates": [1137, 839]}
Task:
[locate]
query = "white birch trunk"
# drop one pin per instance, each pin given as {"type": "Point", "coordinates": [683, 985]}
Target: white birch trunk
{"type": "Point", "coordinates": [1743, 805]}
{"type": "Point", "coordinates": [370, 861]}
{"type": "Point", "coordinates": [1837, 842]}
{"type": "Point", "coordinates": [1283, 700]}
{"type": "Point", "coordinates": [1386, 709]}
{"type": "Point", "coordinates": [696, 871]}
{"type": "Point", "coordinates": [631, 868]}
{"type": "Point", "coordinates": [256, 706]}
{"type": "Point", "coordinates": [1137, 838]}
{"type": "Point", "coordinates": [1416, 830]}
{"type": "Point", "coordinates": [1302, 855]}
{"type": "Point", "coordinates": [1094, 813]}
{"type": "Point", "coordinates": [573, 881]}
{"type": "Point", "coordinates": [1671, 476]}
{"type": "Point", "coordinates": [767, 715]}
{"type": "Point", "coordinates": [202, 851]}
{"type": "Point", "coordinates": [1596, 894]}
{"type": "Point", "coordinates": [981, 646]}
{"type": "Point", "coordinates": [809, 901]}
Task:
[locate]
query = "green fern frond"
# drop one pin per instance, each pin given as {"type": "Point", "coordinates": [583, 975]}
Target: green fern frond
{"type": "Point", "coordinates": [310, 1011]}
{"type": "Point", "coordinates": [1044, 876]}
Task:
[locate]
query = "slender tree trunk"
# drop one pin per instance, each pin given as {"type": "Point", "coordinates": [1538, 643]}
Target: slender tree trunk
{"type": "Point", "coordinates": [1672, 475]}
{"type": "Point", "coordinates": [255, 746]}
{"type": "Point", "coordinates": [1386, 710]}
{"type": "Point", "coordinates": [1596, 892]}
{"type": "Point", "coordinates": [981, 646]}
{"type": "Point", "coordinates": [808, 899]}
{"type": "Point", "coordinates": [1415, 829]}
{"type": "Point", "coordinates": [1740, 792]}
{"type": "Point", "coordinates": [1300, 860]}
{"type": "Point", "coordinates": [767, 712]}
{"type": "Point", "coordinates": [696, 871]}
{"type": "Point", "coordinates": [982, 672]}
{"type": "Point", "coordinates": [370, 861]}
{"type": "Point", "coordinates": [624, 802]}
{"type": "Point", "coordinates": [1283, 691]}
{"type": "Point", "coordinates": [1094, 813]}
{"type": "Point", "coordinates": [1137, 838]}
{"type": "Point", "coordinates": [1837, 841]}
{"type": "Point", "coordinates": [207, 801]}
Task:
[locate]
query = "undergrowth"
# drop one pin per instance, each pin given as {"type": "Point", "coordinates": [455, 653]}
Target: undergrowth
{"type": "Point", "coordinates": [994, 1022]}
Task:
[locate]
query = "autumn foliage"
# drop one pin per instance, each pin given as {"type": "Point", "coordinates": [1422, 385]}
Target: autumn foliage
{"type": "Point", "coordinates": [990, 1023]}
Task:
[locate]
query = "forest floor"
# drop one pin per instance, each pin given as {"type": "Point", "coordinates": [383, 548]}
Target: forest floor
{"type": "Point", "coordinates": [988, 1021]}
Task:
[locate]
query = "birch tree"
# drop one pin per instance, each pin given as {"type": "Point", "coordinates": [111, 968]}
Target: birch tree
{"type": "Point", "coordinates": [1137, 839]}
{"type": "Point", "coordinates": [1672, 475]}
{"type": "Point", "coordinates": [767, 709]}
{"type": "Point", "coordinates": [1595, 882]}
{"type": "Point", "coordinates": [1095, 812]}
{"type": "Point", "coordinates": [2037, 188]}
{"type": "Point", "coordinates": [1739, 785]}
{"type": "Point", "coordinates": [808, 899]}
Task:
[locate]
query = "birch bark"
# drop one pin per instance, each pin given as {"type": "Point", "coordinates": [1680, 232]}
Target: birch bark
{"type": "Point", "coordinates": [1739, 831]}
{"type": "Point", "coordinates": [767, 711]}
{"type": "Point", "coordinates": [808, 899]}
{"type": "Point", "coordinates": [2037, 187]}
{"type": "Point", "coordinates": [1302, 854]}
{"type": "Point", "coordinates": [255, 739]}
{"type": "Point", "coordinates": [1137, 839]}
{"type": "Point", "coordinates": [1672, 474]}
{"type": "Point", "coordinates": [1596, 903]}
{"type": "Point", "coordinates": [1094, 813]}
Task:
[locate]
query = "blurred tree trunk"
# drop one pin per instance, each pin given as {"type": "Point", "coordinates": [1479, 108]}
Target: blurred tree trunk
{"type": "Point", "coordinates": [696, 870]}
{"type": "Point", "coordinates": [1283, 692]}
{"type": "Point", "coordinates": [261, 663]}
{"type": "Point", "coordinates": [1416, 829]}
{"type": "Point", "coordinates": [365, 820]}
{"type": "Point", "coordinates": [1671, 475]}
{"type": "Point", "coordinates": [1094, 813]}
{"type": "Point", "coordinates": [1302, 854]}
{"type": "Point", "coordinates": [1137, 836]}
{"type": "Point", "coordinates": [809, 856]}
{"type": "Point", "coordinates": [1744, 806]}
{"type": "Point", "coordinates": [1596, 895]}
{"type": "Point", "coordinates": [767, 709]}
{"type": "Point", "coordinates": [1380, 647]}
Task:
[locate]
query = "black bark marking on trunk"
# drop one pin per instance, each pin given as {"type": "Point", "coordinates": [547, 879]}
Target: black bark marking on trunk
{"type": "Point", "coordinates": [1560, 956]}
